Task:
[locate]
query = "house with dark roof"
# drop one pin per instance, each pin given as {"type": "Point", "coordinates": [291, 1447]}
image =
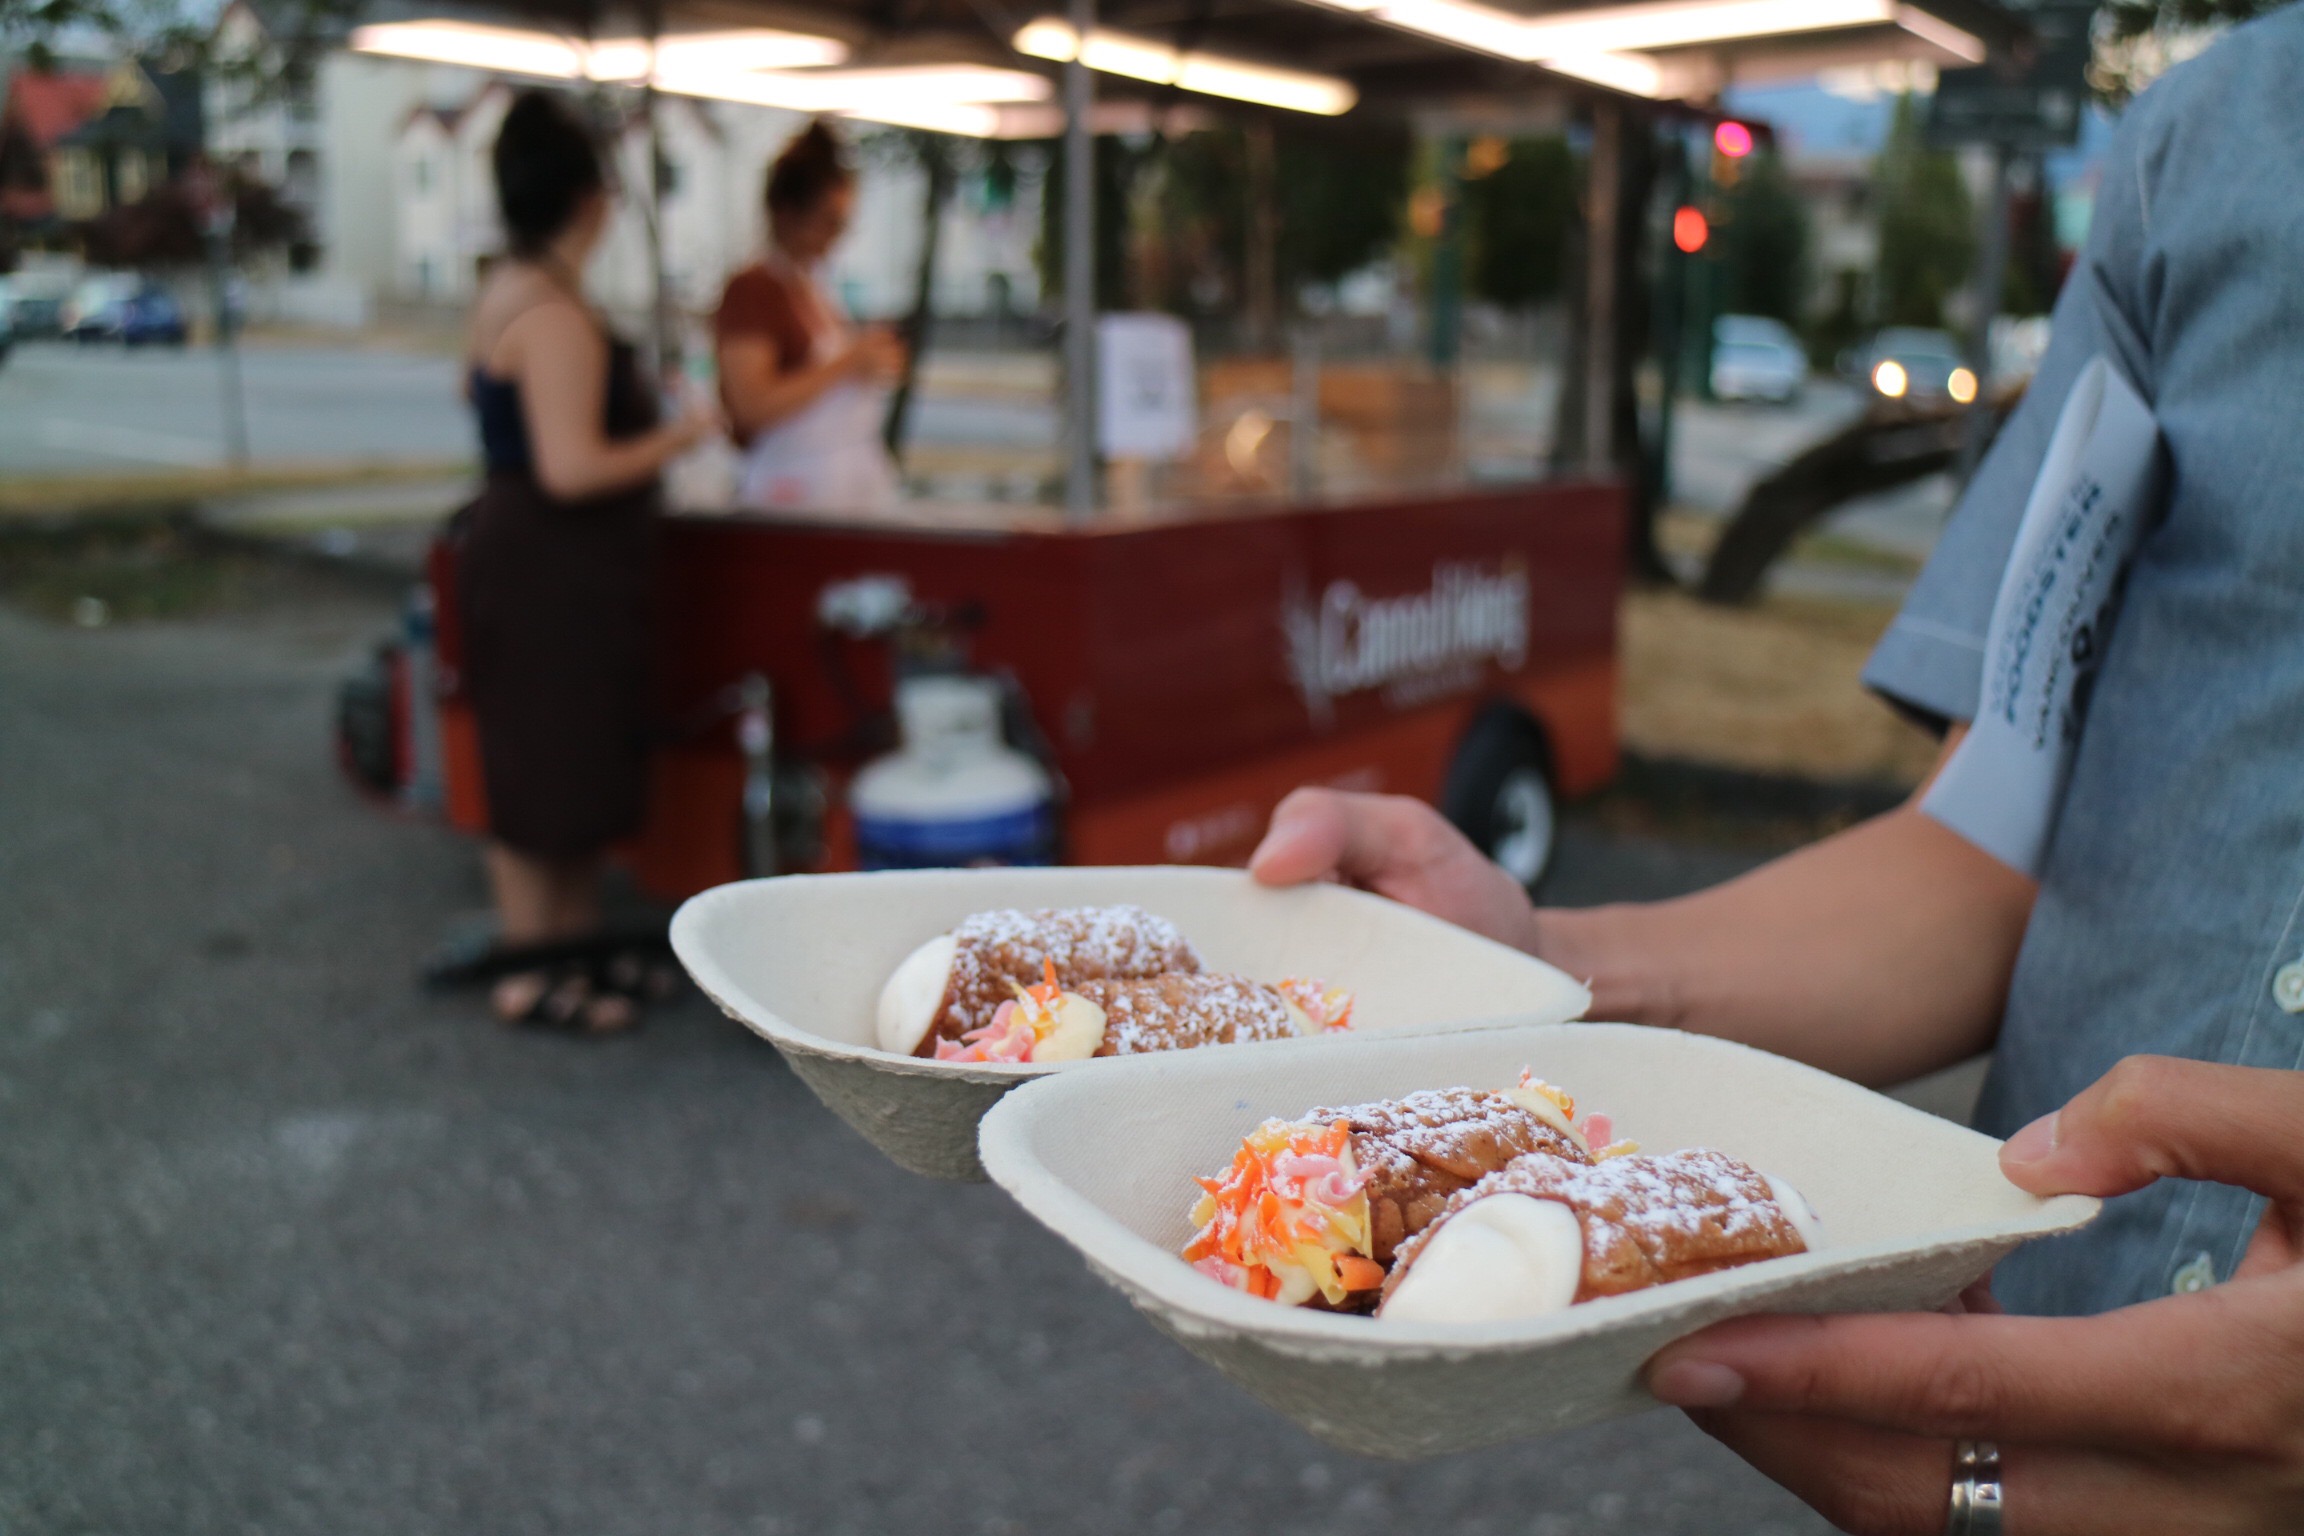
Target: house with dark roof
{"type": "Point", "coordinates": [37, 113]}
{"type": "Point", "coordinates": [77, 143]}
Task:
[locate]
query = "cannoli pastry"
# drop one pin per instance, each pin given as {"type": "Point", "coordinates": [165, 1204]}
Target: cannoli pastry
{"type": "Point", "coordinates": [1180, 1010]}
{"type": "Point", "coordinates": [1311, 1211]}
{"type": "Point", "coordinates": [955, 983]}
{"type": "Point", "coordinates": [1127, 1018]}
{"type": "Point", "coordinates": [1544, 1232]}
{"type": "Point", "coordinates": [1420, 1150]}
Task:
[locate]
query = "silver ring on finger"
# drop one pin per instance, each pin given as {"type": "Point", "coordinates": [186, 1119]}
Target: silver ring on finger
{"type": "Point", "coordinates": [1977, 1498]}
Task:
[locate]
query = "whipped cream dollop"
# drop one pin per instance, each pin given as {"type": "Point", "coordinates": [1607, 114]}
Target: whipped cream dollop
{"type": "Point", "coordinates": [1511, 1255]}
{"type": "Point", "coordinates": [1506, 1256]}
{"type": "Point", "coordinates": [914, 994]}
{"type": "Point", "coordinates": [1797, 1211]}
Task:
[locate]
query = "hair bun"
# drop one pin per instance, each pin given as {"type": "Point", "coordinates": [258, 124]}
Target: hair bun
{"type": "Point", "coordinates": [546, 164]}
{"type": "Point", "coordinates": [812, 163]}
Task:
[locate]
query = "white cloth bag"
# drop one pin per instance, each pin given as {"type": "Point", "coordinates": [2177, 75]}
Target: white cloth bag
{"type": "Point", "coordinates": [826, 457]}
{"type": "Point", "coordinates": [2098, 489]}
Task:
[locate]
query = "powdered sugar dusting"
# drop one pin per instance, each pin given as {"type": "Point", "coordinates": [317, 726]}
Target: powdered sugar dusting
{"type": "Point", "coordinates": [1420, 1149]}
{"type": "Point", "coordinates": [1646, 1219]}
{"type": "Point", "coordinates": [1178, 1011]}
{"type": "Point", "coordinates": [993, 949]}
{"type": "Point", "coordinates": [1456, 1129]}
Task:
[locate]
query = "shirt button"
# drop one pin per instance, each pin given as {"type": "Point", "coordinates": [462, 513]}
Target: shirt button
{"type": "Point", "coordinates": [2288, 987]}
{"type": "Point", "coordinates": [2195, 1276]}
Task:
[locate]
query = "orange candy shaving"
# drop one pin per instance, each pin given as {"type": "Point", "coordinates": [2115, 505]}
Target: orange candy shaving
{"type": "Point", "coordinates": [1289, 1218]}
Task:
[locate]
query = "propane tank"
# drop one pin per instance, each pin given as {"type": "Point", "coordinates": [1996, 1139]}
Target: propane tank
{"type": "Point", "coordinates": [954, 793]}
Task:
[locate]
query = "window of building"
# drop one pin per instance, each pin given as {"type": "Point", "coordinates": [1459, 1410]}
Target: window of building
{"type": "Point", "coordinates": [79, 185]}
{"type": "Point", "coordinates": [301, 186]}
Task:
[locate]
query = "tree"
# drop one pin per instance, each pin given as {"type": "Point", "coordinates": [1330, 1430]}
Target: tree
{"type": "Point", "coordinates": [1764, 243]}
{"type": "Point", "coordinates": [1927, 229]}
{"type": "Point", "coordinates": [1116, 168]}
{"type": "Point", "coordinates": [1188, 236]}
{"type": "Point", "coordinates": [164, 227]}
{"type": "Point", "coordinates": [1518, 218]}
{"type": "Point", "coordinates": [2140, 38]}
{"type": "Point", "coordinates": [183, 32]}
{"type": "Point", "coordinates": [1172, 215]}
{"type": "Point", "coordinates": [1343, 189]}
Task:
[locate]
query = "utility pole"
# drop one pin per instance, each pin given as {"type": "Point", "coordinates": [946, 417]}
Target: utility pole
{"type": "Point", "coordinates": [1991, 280]}
{"type": "Point", "coordinates": [1079, 273]}
{"type": "Point", "coordinates": [1604, 178]}
{"type": "Point", "coordinates": [662, 315]}
{"type": "Point", "coordinates": [216, 222]}
{"type": "Point", "coordinates": [1445, 342]}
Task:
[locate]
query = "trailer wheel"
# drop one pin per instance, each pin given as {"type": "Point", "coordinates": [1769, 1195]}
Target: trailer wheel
{"type": "Point", "coordinates": [1499, 793]}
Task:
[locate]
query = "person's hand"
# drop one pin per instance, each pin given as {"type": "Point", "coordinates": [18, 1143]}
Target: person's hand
{"type": "Point", "coordinates": [2184, 1414]}
{"type": "Point", "coordinates": [877, 355]}
{"type": "Point", "coordinates": [699, 417]}
{"type": "Point", "coordinates": [1396, 847]}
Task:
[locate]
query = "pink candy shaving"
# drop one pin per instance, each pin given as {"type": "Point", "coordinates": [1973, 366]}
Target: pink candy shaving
{"type": "Point", "coordinates": [1009, 1037]}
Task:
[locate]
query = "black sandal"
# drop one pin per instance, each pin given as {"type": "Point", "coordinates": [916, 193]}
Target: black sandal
{"type": "Point", "coordinates": [572, 999]}
{"type": "Point", "coordinates": [480, 960]}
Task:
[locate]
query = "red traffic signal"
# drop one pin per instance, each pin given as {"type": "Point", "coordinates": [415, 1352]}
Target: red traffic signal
{"type": "Point", "coordinates": [1690, 229]}
{"type": "Point", "coordinates": [1732, 139]}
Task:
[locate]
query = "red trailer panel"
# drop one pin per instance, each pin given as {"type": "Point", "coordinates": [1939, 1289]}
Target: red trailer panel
{"type": "Point", "coordinates": [1186, 673]}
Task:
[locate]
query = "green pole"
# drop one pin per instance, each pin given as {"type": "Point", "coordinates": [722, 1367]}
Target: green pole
{"type": "Point", "coordinates": [1448, 258]}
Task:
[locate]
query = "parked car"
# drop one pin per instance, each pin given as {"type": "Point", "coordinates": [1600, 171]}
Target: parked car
{"type": "Point", "coordinates": [98, 308]}
{"type": "Point", "coordinates": [153, 318]}
{"type": "Point", "coordinates": [33, 303]}
{"type": "Point", "coordinates": [1904, 363]}
{"type": "Point", "coordinates": [124, 308]}
{"type": "Point", "coordinates": [1756, 358]}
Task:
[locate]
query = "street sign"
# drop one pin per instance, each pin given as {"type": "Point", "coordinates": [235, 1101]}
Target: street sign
{"type": "Point", "coordinates": [2032, 101]}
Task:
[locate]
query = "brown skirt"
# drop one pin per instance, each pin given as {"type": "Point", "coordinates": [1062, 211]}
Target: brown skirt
{"type": "Point", "coordinates": [555, 600]}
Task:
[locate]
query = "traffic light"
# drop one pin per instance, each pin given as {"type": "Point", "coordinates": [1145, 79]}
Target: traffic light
{"type": "Point", "coordinates": [1732, 141]}
{"type": "Point", "coordinates": [1690, 229]}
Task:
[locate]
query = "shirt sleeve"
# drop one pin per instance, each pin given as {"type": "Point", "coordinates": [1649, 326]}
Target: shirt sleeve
{"type": "Point", "coordinates": [1931, 661]}
{"type": "Point", "coordinates": [753, 306]}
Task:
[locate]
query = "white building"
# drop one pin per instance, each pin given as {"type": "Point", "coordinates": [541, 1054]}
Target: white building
{"type": "Point", "coordinates": [390, 158]}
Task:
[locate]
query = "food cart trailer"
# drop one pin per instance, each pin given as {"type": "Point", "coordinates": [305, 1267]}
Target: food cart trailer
{"type": "Point", "coordinates": [1177, 671]}
{"type": "Point", "coordinates": [1179, 677]}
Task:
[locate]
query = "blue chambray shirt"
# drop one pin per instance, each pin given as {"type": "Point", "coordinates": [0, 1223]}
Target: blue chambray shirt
{"type": "Point", "coordinates": [2173, 891]}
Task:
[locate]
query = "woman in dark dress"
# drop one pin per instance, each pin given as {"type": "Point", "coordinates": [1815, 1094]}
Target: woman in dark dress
{"type": "Point", "coordinates": [555, 568]}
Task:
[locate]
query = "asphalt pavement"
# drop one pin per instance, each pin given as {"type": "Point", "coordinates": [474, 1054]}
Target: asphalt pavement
{"type": "Point", "coordinates": [66, 408]}
{"type": "Point", "coordinates": [289, 1246]}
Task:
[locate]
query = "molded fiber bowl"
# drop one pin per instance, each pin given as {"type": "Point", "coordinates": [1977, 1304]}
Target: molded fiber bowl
{"type": "Point", "coordinates": [1914, 1209]}
{"type": "Point", "coordinates": [801, 960]}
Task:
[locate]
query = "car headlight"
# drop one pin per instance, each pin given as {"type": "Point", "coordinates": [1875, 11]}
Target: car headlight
{"type": "Point", "coordinates": [1961, 386]}
{"type": "Point", "coordinates": [1889, 377]}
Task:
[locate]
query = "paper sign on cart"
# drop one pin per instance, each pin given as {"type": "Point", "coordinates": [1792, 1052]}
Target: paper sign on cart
{"type": "Point", "coordinates": [2098, 489]}
{"type": "Point", "coordinates": [1146, 406]}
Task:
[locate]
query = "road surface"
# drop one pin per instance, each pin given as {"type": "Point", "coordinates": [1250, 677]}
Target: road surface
{"type": "Point", "coordinates": [291, 1247]}
{"type": "Point", "coordinates": [68, 409]}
